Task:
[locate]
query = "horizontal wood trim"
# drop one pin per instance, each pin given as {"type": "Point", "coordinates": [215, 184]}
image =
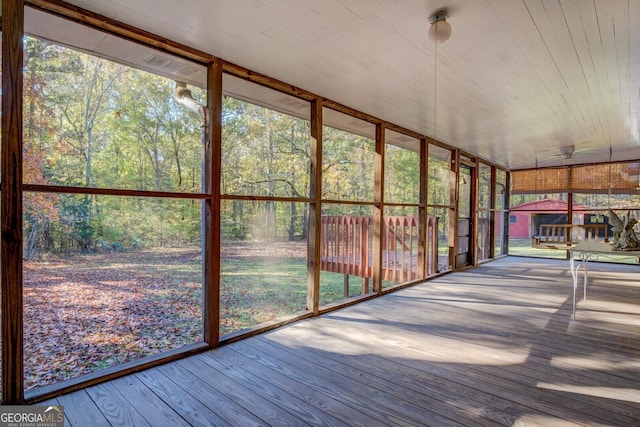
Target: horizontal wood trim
{"type": "Point", "coordinates": [270, 82]}
{"type": "Point", "coordinates": [112, 192]}
{"type": "Point", "coordinates": [57, 389]}
{"type": "Point", "coordinates": [112, 26]}
{"type": "Point", "coordinates": [405, 205]}
{"type": "Point", "coordinates": [264, 198]}
{"type": "Point", "coordinates": [346, 303]}
{"type": "Point", "coordinates": [350, 202]}
{"type": "Point", "coordinates": [350, 111]}
{"type": "Point", "coordinates": [402, 130]}
{"type": "Point", "coordinates": [400, 286]}
{"type": "Point", "coordinates": [439, 143]}
{"type": "Point", "coordinates": [263, 327]}
{"type": "Point", "coordinates": [452, 206]}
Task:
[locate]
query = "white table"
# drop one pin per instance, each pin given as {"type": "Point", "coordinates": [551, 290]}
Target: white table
{"type": "Point", "coordinates": [592, 251]}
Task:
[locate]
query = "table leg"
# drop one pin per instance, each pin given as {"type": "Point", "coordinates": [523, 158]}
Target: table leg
{"type": "Point", "coordinates": [574, 275]}
{"type": "Point", "coordinates": [585, 270]}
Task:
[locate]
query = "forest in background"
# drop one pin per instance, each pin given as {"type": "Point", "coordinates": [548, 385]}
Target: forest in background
{"type": "Point", "coordinates": [89, 122]}
{"type": "Point", "coordinates": [93, 123]}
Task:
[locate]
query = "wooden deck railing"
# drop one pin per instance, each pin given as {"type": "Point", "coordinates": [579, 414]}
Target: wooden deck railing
{"type": "Point", "coordinates": [347, 246]}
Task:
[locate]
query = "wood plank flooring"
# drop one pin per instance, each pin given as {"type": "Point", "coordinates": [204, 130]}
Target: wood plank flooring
{"type": "Point", "coordinates": [494, 345]}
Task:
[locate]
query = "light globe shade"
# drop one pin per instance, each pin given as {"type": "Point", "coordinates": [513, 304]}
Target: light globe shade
{"type": "Point", "coordinates": [440, 31]}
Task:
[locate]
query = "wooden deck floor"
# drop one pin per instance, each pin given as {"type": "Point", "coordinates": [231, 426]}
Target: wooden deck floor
{"type": "Point", "coordinates": [493, 345]}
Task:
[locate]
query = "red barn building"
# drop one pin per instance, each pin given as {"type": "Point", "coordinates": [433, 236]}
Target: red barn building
{"type": "Point", "coordinates": [525, 219]}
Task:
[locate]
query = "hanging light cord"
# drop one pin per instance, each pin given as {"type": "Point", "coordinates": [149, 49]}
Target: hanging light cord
{"type": "Point", "coordinates": [609, 192]}
{"type": "Point", "coordinates": [435, 85]}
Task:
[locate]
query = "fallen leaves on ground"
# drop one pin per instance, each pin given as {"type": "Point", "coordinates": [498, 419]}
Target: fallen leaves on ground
{"type": "Point", "coordinates": [88, 312]}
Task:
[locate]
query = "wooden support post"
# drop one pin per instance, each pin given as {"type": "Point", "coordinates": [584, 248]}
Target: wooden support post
{"type": "Point", "coordinates": [379, 210]}
{"type": "Point", "coordinates": [346, 285]}
{"type": "Point", "coordinates": [423, 226]}
{"type": "Point", "coordinates": [212, 140]}
{"type": "Point", "coordinates": [11, 202]}
{"type": "Point", "coordinates": [492, 214]}
{"type": "Point", "coordinates": [315, 209]}
{"type": "Point", "coordinates": [365, 286]}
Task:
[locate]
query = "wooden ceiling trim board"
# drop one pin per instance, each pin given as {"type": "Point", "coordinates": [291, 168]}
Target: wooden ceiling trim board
{"type": "Point", "coordinates": [402, 130]}
{"type": "Point", "coordinates": [102, 22]}
{"type": "Point", "coordinates": [272, 83]}
{"type": "Point", "coordinates": [350, 111]}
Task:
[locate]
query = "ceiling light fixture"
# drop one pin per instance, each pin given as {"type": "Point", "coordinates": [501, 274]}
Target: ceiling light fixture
{"type": "Point", "coordinates": [440, 29]}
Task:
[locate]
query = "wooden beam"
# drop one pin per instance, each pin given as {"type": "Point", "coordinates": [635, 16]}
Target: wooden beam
{"type": "Point", "coordinates": [101, 22]}
{"type": "Point", "coordinates": [453, 211]}
{"type": "Point", "coordinates": [267, 81]}
{"type": "Point", "coordinates": [507, 206]}
{"type": "Point", "coordinates": [315, 209]}
{"type": "Point", "coordinates": [350, 111]}
{"type": "Point", "coordinates": [211, 217]}
{"type": "Point", "coordinates": [422, 210]}
{"type": "Point", "coordinates": [402, 130]}
{"type": "Point", "coordinates": [493, 213]}
{"type": "Point", "coordinates": [11, 201]}
{"type": "Point", "coordinates": [47, 188]}
{"type": "Point", "coordinates": [378, 215]}
{"type": "Point", "coordinates": [475, 214]}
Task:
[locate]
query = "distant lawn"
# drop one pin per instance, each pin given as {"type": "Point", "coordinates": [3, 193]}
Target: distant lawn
{"type": "Point", "coordinates": [522, 247]}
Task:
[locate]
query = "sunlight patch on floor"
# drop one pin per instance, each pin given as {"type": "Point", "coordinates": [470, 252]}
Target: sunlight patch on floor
{"type": "Point", "coordinates": [616, 393]}
{"type": "Point", "coordinates": [420, 346]}
{"type": "Point", "coordinates": [530, 420]}
{"type": "Point", "coordinates": [602, 362]}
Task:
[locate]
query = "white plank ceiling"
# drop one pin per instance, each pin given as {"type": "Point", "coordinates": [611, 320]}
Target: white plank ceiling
{"type": "Point", "coordinates": [520, 82]}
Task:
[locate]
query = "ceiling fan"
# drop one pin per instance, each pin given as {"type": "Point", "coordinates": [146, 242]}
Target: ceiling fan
{"type": "Point", "coordinates": [569, 152]}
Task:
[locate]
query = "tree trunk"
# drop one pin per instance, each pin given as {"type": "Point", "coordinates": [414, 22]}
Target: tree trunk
{"type": "Point", "coordinates": [292, 222]}
{"type": "Point", "coordinates": [31, 241]}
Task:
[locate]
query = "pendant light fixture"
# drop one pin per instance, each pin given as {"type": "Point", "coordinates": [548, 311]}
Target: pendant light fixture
{"type": "Point", "coordinates": [440, 29]}
{"type": "Point", "coordinates": [439, 32]}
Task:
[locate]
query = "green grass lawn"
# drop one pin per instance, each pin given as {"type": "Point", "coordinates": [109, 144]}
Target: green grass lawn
{"type": "Point", "coordinates": [522, 247]}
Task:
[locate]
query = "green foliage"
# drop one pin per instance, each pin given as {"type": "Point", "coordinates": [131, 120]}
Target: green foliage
{"type": "Point", "coordinates": [348, 166]}
{"type": "Point", "coordinates": [402, 175]}
{"type": "Point", "coordinates": [440, 181]}
{"type": "Point", "coordinates": [264, 153]}
{"type": "Point", "coordinates": [93, 123]}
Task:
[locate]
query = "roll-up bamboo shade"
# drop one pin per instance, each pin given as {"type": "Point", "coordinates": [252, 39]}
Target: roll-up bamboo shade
{"type": "Point", "coordinates": [589, 179]}
{"type": "Point", "coordinates": [532, 181]}
{"type": "Point", "coordinates": [595, 179]}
